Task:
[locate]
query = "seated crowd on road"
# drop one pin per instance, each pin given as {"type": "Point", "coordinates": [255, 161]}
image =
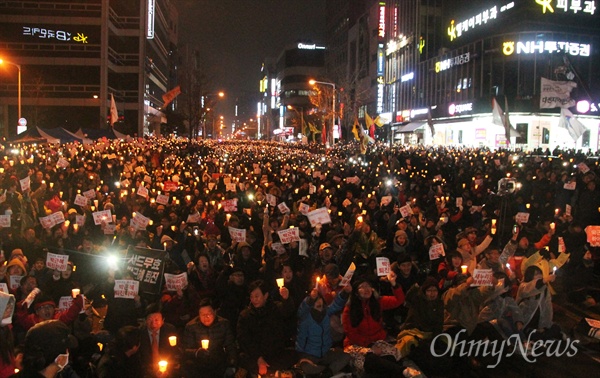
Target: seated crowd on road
{"type": "Point", "coordinates": [284, 258]}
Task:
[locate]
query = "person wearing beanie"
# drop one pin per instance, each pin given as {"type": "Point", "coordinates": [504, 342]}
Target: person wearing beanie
{"type": "Point", "coordinates": [425, 316]}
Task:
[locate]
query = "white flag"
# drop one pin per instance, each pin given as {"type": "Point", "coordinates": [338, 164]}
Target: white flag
{"type": "Point", "coordinates": [114, 115]}
{"type": "Point", "coordinates": [556, 94]}
{"type": "Point", "coordinates": [569, 122]}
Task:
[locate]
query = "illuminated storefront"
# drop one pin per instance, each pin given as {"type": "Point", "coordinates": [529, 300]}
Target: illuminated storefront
{"type": "Point", "coordinates": [499, 51]}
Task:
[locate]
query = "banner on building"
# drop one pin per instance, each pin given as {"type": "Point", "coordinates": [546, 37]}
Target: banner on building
{"type": "Point", "coordinates": [556, 94]}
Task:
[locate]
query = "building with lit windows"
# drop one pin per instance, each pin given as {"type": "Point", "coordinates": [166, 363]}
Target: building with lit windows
{"type": "Point", "coordinates": [75, 54]}
{"type": "Point", "coordinates": [286, 90]}
{"type": "Point", "coordinates": [446, 60]}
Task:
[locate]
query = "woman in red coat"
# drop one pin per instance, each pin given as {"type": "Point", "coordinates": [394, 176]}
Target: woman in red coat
{"type": "Point", "coordinates": [363, 325]}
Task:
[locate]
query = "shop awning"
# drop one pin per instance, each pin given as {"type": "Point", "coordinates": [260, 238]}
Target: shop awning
{"type": "Point", "coordinates": [410, 127]}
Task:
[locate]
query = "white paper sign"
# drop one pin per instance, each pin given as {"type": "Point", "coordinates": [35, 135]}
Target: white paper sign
{"type": "Point", "coordinates": [278, 248]}
{"type": "Point", "coordinates": [436, 251]}
{"type": "Point", "coordinates": [570, 185]}
{"type": "Point", "coordinates": [459, 201]}
{"type": "Point", "coordinates": [303, 248]}
{"type": "Point", "coordinates": [102, 216]}
{"type": "Point", "coordinates": [194, 218]}
{"type": "Point", "coordinates": [289, 235]}
{"type": "Point", "coordinates": [318, 216]}
{"type": "Point", "coordinates": [90, 194]}
{"type": "Point", "coordinates": [522, 217]}
{"type": "Point", "coordinates": [237, 234]}
{"type": "Point", "coordinates": [303, 208]}
{"type": "Point", "coordinates": [162, 199]}
{"type": "Point", "coordinates": [57, 262]}
{"type": "Point", "coordinates": [230, 205]}
{"type": "Point", "coordinates": [15, 282]}
{"type": "Point", "coordinates": [568, 210]}
{"type": "Point", "coordinates": [4, 288]}
{"type": "Point", "coordinates": [25, 184]}
{"type": "Point", "coordinates": [383, 266]}
{"type": "Point", "coordinates": [139, 221]}
{"type": "Point", "coordinates": [483, 277]}
{"type": "Point", "coordinates": [142, 191]}
{"type": "Point", "coordinates": [406, 211]}
{"type": "Point", "coordinates": [46, 222]}
{"type": "Point", "coordinates": [583, 167]}
{"type": "Point", "coordinates": [126, 288]}
{"type": "Point", "coordinates": [174, 282]}
{"type": "Point", "coordinates": [4, 221]}
{"type": "Point", "coordinates": [81, 200]}
{"type": "Point", "coordinates": [272, 200]}
{"type": "Point", "coordinates": [148, 179]}
{"type": "Point", "coordinates": [561, 245]}
{"type": "Point", "coordinates": [283, 209]}
{"type": "Point", "coordinates": [230, 187]}
{"type": "Point", "coordinates": [348, 276]}
{"type": "Point", "coordinates": [62, 163]}
{"type": "Point", "coordinates": [109, 229]}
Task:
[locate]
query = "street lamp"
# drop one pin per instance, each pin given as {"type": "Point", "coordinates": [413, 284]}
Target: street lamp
{"type": "Point", "coordinates": [203, 99]}
{"type": "Point", "coordinates": [313, 82]}
{"type": "Point", "coordinates": [19, 82]}
{"type": "Point", "coordinates": [290, 107]}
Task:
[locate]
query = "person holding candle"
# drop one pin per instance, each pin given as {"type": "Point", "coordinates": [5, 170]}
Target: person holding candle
{"type": "Point", "coordinates": [154, 345]}
{"type": "Point", "coordinates": [497, 261]}
{"type": "Point", "coordinates": [448, 269]}
{"type": "Point", "coordinates": [314, 336]}
{"type": "Point", "coordinates": [260, 331]}
{"type": "Point", "coordinates": [217, 358]}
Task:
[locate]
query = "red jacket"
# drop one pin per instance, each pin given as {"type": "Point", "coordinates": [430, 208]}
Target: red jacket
{"type": "Point", "coordinates": [27, 320]}
{"type": "Point", "coordinates": [370, 330]}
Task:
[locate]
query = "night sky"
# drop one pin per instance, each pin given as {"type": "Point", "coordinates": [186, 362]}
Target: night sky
{"type": "Point", "coordinates": [235, 36]}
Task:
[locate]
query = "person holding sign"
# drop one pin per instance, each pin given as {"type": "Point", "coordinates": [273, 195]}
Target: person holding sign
{"type": "Point", "coordinates": [45, 309]}
{"type": "Point", "coordinates": [363, 323]}
{"type": "Point", "coordinates": [221, 355]}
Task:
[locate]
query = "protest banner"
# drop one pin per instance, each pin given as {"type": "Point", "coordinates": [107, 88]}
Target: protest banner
{"type": "Point", "coordinates": [89, 194]}
{"type": "Point", "coordinates": [237, 234]}
{"type": "Point", "coordinates": [283, 209]}
{"type": "Point", "coordinates": [57, 262]}
{"type": "Point", "coordinates": [81, 200]}
{"type": "Point", "coordinates": [271, 199]}
{"type": "Point", "coordinates": [278, 248]}
{"type": "Point", "coordinates": [5, 221]}
{"type": "Point", "coordinates": [14, 282]}
{"type": "Point", "coordinates": [4, 288]}
{"type": "Point", "coordinates": [25, 184]}
{"type": "Point", "coordinates": [102, 216]}
{"type": "Point", "coordinates": [162, 199]}
{"type": "Point", "coordinates": [303, 208]}
{"type": "Point", "coordinates": [230, 205]}
{"type": "Point", "coordinates": [436, 251]}
{"type": "Point", "coordinates": [289, 235]}
{"type": "Point", "coordinates": [383, 266]}
{"type": "Point", "coordinates": [147, 267]}
{"type": "Point", "coordinates": [126, 288]}
{"type": "Point", "coordinates": [483, 277]}
{"type": "Point", "coordinates": [318, 216]}
{"type": "Point", "coordinates": [142, 191]}
{"type": "Point", "coordinates": [174, 282]}
{"type": "Point", "coordinates": [593, 235]}
{"type": "Point", "coordinates": [406, 211]}
{"type": "Point", "coordinates": [139, 221]}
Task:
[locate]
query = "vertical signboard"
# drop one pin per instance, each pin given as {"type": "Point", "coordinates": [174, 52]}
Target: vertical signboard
{"type": "Point", "coordinates": [150, 26]}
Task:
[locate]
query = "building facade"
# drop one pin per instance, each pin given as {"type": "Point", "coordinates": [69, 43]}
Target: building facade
{"type": "Point", "coordinates": [446, 60]}
{"type": "Point", "coordinates": [74, 55]}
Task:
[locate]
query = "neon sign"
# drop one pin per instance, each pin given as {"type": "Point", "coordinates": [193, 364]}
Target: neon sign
{"type": "Point", "coordinates": [380, 86]}
{"type": "Point", "coordinates": [457, 29]}
{"type": "Point", "coordinates": [451, 62]}
{"type": "Point", "coordinates": [540, 47]}
{"type": "Point", "coordinates": [460, 108]}
{"type": "Point", "coordinates": [60, 35]}
{"type": "Point", "coordinates": [380, 60]}
{"type": "Point", "coordinates": [574, 6]}
{"type": "Point", "coordinates": [381, 24]}
{"type": "Point", "coordinates": [150, 26]}
{"type": "Point", "coordinates": [303, 46]}
{"type": "Point", "coordinates": [397, 44]}
{"type": "Point", "coordinates": [407, 77]}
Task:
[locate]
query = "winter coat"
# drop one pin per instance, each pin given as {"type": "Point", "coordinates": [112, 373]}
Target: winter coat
{"type": "Point", "coordinates": [423, 314]}
{"type": "Point", "coordinates": [462, 303]}
{"type": "Point", "coordinates": [370, 330]}
{"type": "Point", "coordinates": [314, 337]}
{"type": "Point", "coordinates": [221, 348]}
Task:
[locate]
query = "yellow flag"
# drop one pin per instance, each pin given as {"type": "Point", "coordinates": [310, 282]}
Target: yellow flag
{"type": "Point", "coordinates": [378, 122]}
{"type": "Point", "coordinates": [355, 129]}
{"type": "Point", "coordinates": [368, 120]}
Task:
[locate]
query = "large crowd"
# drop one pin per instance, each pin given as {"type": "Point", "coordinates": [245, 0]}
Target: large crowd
{"type": "Point", "coordinates": [289, 259]}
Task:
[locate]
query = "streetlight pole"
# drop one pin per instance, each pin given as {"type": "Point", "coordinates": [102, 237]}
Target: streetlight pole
{"type": "Point", "coordinates": [291, 107]}
{"type": "Point", "coordinates": [19, 83]}
{"type": "Point", "coordinates": [204, 98]}
{"type": "Point", "coordinates": [313, 82]}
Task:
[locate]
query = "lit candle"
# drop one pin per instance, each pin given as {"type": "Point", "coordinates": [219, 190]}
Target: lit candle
{"type": "Point", "coordinates": [280, 282]}
{"type": "Point", "coordinates": [100, 346]}
{"type": "Point", "coordinates": [75, 227]}
{"type": "Point", "coordinates": [204, 344]}
{"type": "Point", "coordinates": [162, 366]}
{"type": "Point", "coordinates": [172, 340]}
{"type": "Point", "coordinates": [359, 219]}
{"type": "Point", "coordinates": [228, 216]}
{"type": "Point", "coordinates": [528, 205]}
{"type": "Point", "coordinates": [552, 226]}
{"type": "Point", "coordinates": [508, 266]}
{"type": "Point", "coordinates": [75, 292]}
{"type": "Point", "coordinates": [463, 269]}
{"type": "Point", "coordinates": [74, 268]}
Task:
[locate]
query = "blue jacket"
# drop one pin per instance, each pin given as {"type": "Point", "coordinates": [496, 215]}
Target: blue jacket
{"type": "Point", "coordinates": [314, 337]}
